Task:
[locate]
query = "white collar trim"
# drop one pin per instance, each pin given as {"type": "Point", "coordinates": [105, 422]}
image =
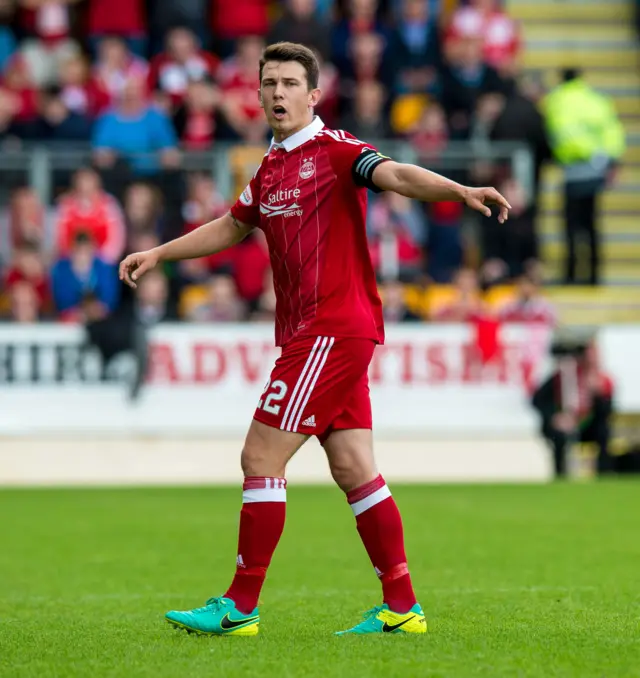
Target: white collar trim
{"type": "Point", "coordinates": [305, 134]}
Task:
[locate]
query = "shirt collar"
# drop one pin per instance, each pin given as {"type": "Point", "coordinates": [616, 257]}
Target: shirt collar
{"type": "Point", "coordinates": [305, 134]}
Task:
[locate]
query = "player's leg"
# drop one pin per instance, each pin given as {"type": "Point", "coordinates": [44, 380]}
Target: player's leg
{"type": "Point", "coordinates": [265, 455]}
{"type": "Point", "coordinates": [266, 452]}
{"type": "Point", "coordinates": [264, 459]}
{"type": "Point", "coordinates": [349, 448]}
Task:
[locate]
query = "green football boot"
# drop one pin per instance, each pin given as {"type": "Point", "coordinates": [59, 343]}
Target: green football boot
{"type": "Point", "coordinates": [383, 620]}
{"type": "Point", "coordinates": [218, 617]}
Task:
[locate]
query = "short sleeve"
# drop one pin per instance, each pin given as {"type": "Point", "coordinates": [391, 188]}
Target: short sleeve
{"type": "Point", "coordinates": [363, 166]}
{"type": "Point", "coordinates": [247, 206]}
{"type": "Point", "coordinates": [357, 158]}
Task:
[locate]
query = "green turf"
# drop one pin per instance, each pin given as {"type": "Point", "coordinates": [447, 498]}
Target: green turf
{"type": "Point", "coordinates": [516, 581]}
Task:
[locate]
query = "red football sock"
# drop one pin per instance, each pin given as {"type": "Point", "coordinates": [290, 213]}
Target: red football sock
{"type": "Point", "coordinates": [261, 524]}
{"type": "Point", "coordinates": [380, 527]}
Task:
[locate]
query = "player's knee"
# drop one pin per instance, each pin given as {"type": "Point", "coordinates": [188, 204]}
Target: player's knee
{"type": "Point", "coordinates": [259, 459]}
{"type": "Point", "coordinates": [351, 471]}
{"type": "Point", "coordinates": [350, 456]}
{"type": "Point", "coordinates": [255, 461]}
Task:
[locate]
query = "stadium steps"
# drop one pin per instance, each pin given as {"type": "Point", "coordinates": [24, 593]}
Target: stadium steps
{"type": "Point", "coordinates": [588, 12]}
{"type": "Point", "coordinates": [600, 38]}
{"type": "Point", "coordinates": [576, 306]}
{"type": "Point", "coordinates": [586, 306]}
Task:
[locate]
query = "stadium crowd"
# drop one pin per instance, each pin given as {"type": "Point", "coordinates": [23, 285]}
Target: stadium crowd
{"type": "Point", "coordinates": [144, 82]}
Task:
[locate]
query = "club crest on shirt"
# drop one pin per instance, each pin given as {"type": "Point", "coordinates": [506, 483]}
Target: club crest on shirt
{"type": "Point", "coordinates": [307, 169]}
{"type": "Point", "coordinates": [247, 197]}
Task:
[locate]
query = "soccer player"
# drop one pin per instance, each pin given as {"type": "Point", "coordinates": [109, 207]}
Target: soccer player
{"type": "Point", "coordinates": [309, 198]}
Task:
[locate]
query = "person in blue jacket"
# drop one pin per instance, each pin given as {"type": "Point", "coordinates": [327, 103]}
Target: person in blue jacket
{"type": "Point", "coordinates": [82, 275]}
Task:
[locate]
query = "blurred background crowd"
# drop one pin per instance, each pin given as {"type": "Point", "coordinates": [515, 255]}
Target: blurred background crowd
{"type": "Point", "coordinates": [135, 87]}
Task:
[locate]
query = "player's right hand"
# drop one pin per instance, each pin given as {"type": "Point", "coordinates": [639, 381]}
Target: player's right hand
{"type": "Point", "coordinates": [136, 265]}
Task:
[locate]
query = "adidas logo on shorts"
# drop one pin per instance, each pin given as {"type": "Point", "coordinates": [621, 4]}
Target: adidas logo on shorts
{"type": "Point", "coordinates": [309, 421]}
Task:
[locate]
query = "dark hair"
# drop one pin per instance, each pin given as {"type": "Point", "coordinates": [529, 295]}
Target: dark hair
{"type": "Point", "coordinates": [569, 74]}
{"type": "Point", "coordinates": [292, 51]}
{"type": "Point", "coordinates": [83, 237]}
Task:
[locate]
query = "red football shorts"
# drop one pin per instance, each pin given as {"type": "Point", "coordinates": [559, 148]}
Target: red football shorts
{"type": "Point", "coordinates": [319, 385]}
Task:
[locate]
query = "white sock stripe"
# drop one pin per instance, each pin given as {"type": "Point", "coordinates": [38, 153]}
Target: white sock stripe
{"type": "Point", "coordinates": [265, 495]}
{"type": "Point", "coordinates": [309, 376]}
{"type": "Point", "coordinates": [374, 498]}
{"type": "Point", "coordinates": [292, 399]}
{"type": "Point", "coordinates": [313, 383]}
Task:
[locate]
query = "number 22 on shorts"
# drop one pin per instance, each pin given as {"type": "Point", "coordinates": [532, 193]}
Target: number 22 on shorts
{"type": "Point", "coordinates": [278, 390]}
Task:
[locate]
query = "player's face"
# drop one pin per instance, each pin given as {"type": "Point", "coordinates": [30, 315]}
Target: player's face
{"type": "Point", "coordinates": [286, 98]}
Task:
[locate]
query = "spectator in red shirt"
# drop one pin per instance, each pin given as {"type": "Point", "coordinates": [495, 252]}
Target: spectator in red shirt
{"type": "Point", "coordinates": [49, 22]}
{"type": "Point", "coordinates": [88, 209]}
{"type": "Point", "coordinates": [529, 306]}
{"type": "Point", "coordinates": [251, 266]}
{"type": "Point", "coordinates": [71, 112]}
{"type": "Point", "coordinates": [116, 65]}
{"type": "Point", "coordinates": [18, 101]}
{"type": "Point", "coordinates": [232, 20]}
{"type": "Point", "coordinates": [396, 230]}
{"type": "Point", "coordinates": [29, 267]}
{"type": "Point", "coordinates": [239, 82]}
{"type": "Point", "coordinates": [24, 306]}
{"type": "Point", "coordinates": [182, 62]}
{"type": "Point", "coordinates": [575, 404]}
{"type": "Point", "coordinates": [195, 120]}
{"type": "Point", "coordinates": [123, 18]}
{"type": "Point", "coordinates": [485, 19]}
{"type": "Point", "coordinates": [204, 203]}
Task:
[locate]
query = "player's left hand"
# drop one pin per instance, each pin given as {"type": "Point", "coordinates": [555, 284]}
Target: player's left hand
{"type": "Point", "coordinates": [479, 199]}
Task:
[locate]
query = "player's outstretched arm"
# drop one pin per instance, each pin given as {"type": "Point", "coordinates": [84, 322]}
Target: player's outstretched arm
{"type": "Point", "coordinates": [421, 184]}
{"type": "Point", "coordinates": [212, 237]}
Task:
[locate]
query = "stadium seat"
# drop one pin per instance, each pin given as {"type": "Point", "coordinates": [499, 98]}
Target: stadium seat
{"type": "Point", "coordinates": [191, 297]}
{"type": "Point", "coordinates": [244, 161]}
{"type": "Point", "coordinates": [499, 296]}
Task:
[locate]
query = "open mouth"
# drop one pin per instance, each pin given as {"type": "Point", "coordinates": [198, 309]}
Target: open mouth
{"type": "Point", "coordinates": [279, 112]}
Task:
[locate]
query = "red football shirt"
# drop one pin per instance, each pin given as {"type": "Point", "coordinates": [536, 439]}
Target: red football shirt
{"type": "Point", "coordinates": [309, 196]}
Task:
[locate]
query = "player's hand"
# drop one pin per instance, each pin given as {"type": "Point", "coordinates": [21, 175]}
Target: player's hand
{"type": "Point", "coordinates": [136, 265]}
{"type": "Point", "coordinates": [479, 199]}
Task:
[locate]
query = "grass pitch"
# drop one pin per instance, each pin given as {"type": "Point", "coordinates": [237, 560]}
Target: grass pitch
{"type": "Point", "coordinates": [536, 581]}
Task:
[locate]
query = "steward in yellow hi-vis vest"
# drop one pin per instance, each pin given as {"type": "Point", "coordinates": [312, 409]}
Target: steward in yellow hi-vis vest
{"type": "Point", "coordinates": [587, 140]}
